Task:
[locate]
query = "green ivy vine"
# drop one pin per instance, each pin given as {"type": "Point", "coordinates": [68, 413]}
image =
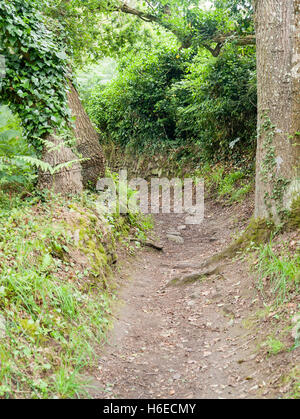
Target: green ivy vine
{"type": "Point", "coordinates": [278, 184]}
{"type": "Point", "coordinates": [36, 69]}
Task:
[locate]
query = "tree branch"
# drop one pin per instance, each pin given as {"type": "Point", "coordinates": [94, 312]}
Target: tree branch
{"type": "Point", "coordinates": [214, 51]}
{"type": "Point", "coordinates": [239, 40]}
{"type": "Point", "coordinates": [147, 17]}
{"type": "Point", "coordinates": [220, 40]}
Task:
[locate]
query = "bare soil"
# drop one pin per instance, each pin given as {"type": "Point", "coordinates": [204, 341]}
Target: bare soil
{"type": "Point", "coordinates": [200, 340]}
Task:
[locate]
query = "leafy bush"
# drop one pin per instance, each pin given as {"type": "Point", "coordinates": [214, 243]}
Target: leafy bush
{"type": "Point", "coordinates": [94, 75]}
{"type": "Point", "coordinates": [219, 112]}
{"type": "Point", "coordinates": [168, 98]}
{"type": "Point", "coordinates": [225, 183]}
{"type": "Point", "coordinates": [133, 109]}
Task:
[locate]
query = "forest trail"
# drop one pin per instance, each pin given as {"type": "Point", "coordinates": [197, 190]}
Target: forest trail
{"type": "Point", "coordinates": [185, 341]}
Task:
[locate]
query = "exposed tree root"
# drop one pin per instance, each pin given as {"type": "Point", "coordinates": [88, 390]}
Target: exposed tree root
{"type": "Point", "coordinates": [196, 276]}
{"type": "Point", "coordinates": [258, 231]}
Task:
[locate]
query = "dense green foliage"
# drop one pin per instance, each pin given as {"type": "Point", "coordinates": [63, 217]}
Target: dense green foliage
{"type": "Point", "coordinates": [18, 160]}
{"type": "Point", "coordinates": [167, 98]}
{"type": "Point", "coordinates": [219, 111]}
{"type": "Point", "coordinates": [90, 31]}
{"type": "Point", "coordinates": [96, 28]}
{"type": "Point", "coordinates": [133, 108]}
{"type": "Point", "coordinates": [93, 76]}
{"type": "Point", "coordinates": [13, 171]}
{"type": "Point", "coordinates": [36, 69]}
{"type": "Point", "coordinates": [154, 110]}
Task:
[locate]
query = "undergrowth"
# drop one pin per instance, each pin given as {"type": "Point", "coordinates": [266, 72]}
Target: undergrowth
{"type": "Point", "coordinates": [224, 181]}
{"type": "Point", "coordinates": [277, 274]}
{"type": "Point", "coordinates": [279, 271]}
{"type": "Point", "coordinates": [227, 184]}
{"type": "Point", "coordinates": [55, 291]}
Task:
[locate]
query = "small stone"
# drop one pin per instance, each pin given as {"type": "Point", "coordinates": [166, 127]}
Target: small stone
{"type": "Point", "coordinates": [228, 311]}
{"type": "Point", "coordinates": [175, 239]}
{"type": "Point", "coordinates": [173, 232]}
{"type": "Point", "coordinates": [191, 211]}
{"type": "Point", "coordinates": [196, 294]}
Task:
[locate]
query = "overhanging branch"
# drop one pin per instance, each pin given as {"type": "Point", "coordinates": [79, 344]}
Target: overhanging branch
{"type": "Point", "coordinates": [219, 40]}
{"type": "Point", "coordinates": [147, 17]}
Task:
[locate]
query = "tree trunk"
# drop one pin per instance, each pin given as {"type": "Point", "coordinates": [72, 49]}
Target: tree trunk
{"type": "Point", "coordinates": [79, 175]}
{"type": "Point", "coordinates": [69, 179]}
{"type": "Point", "coordinates": [87, 142]}
{"type": "Point", "coordinates": [278, 73]}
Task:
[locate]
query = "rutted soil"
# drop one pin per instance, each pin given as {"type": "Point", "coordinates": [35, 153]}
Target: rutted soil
{"type": "Point", "coordinates": [191, 341]}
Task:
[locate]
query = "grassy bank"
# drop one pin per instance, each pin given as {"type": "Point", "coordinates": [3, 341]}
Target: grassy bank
{"type": "Point", "coordinates": [56, 289]}
{"type": "Point", "coordinates": [276, 269]}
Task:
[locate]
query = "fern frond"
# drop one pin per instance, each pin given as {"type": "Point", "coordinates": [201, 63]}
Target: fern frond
{"type": "Point", "coordinates": [66, 165]}
{"type": "Point", "coordinates": [33, 161]}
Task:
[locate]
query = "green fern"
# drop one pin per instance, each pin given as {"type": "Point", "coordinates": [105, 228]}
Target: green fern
{"type": "Point", "coordinates": [17, 159]}
{"type": "Point", "coordinates": [46, 167]}
{"type": "Point", "coordinates": [65, 165]}
{"type": "Point", "coordinates": [35, 162]}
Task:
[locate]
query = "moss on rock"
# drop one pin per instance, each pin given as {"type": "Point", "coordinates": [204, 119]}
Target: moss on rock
{"type": "Point", "coordinates": [294, 215]}
{"type": "Point", "coordinates": [92, 242]}
{"type": "Point", "coordinates": [258, 231]}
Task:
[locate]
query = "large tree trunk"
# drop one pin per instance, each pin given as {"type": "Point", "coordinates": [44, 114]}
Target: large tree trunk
{"type": "Point", "coordinates": [79, 175]}
{"type": "Point", "coordinates": [69, 179]}
{"type": "Point", "coordinates": [87, 142]}
{"type": "Point", "coordinates": [278, 72]}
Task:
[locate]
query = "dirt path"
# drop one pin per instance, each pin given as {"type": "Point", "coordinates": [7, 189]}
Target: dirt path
{"type": "Point", "coordinates": [185, 341]}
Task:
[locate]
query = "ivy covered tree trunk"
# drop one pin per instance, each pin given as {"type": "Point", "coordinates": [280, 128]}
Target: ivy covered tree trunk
{"type": "Point", "coordinates": [87, 142]}
{"type": "Point", "coordinates": [278, 72]}
{"type": "Point", "coordinates": [35, 87]}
